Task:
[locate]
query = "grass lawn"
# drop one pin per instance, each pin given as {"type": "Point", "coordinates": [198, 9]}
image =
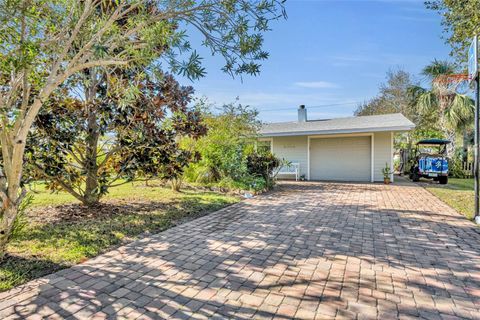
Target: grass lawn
{"type": "Point", "coordinates": [61, 233]}
{"type": "Point", "coordinates": [458, 193]}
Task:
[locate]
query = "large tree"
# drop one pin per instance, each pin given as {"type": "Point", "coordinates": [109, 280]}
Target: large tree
{"type": "Point", "coordinates": [231, 129]}
{"type": "Point", "coordinates": [45, 42]}
{"type": "Point", "coordinates": [454, 111]}
{"type": "Point", "coordinates": [395, 96]}
{"type": "Point", "coordinates": [84, 146]}
{"type": "Point", "coordinates": [460, 19]}
{"type": "Point", "coordinates": [392, 96]}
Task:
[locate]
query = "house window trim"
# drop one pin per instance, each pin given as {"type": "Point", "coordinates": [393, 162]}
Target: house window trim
{"type": "Point", "coordinates": [264, 140]}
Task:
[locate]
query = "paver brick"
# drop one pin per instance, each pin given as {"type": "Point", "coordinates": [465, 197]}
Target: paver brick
{"type": "Point", "coordinates": [306, 251]}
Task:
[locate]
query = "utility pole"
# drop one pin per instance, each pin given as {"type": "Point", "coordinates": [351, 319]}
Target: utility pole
{"type": "Point", "coordinates": [473, 75]}
{"type": "Point", "coordinates": [476, 151]}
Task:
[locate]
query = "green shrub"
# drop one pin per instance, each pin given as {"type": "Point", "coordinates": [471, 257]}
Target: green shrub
{"type": "Point", "coordinates": [455, 168]}
{"type": "Point", "coordinates": [21, 220]}
{"type": "Point", "coordinates": [199, 173]}
{"type": "Point", "coordinates": [223, 151]}
{"type": "Point", "coordinates": [249, 183]}
{"type": "Point", "coordinates": [263, 165]}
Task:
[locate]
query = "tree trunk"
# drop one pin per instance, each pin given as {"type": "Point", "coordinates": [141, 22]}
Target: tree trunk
{"type": "Point", "coordinates": [10, 178]}
{"type": "Point", "coordinates": [465, 146]}
{"type": "Point", "coordinates": [8, 213]}
{"type": "Point", "coordinates": [452, 145]}
{"type": "Point", "coordinates": [176, 184]}
{"type": "Point", "coordinates": [92, 194]}
{"type": "Point", "coordinates": [449, 135]}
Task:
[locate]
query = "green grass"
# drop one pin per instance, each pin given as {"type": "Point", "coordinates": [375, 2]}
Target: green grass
{"type": "Point", "coordinates": [129, 210]}
{"type": "Point", "coordinates": [458, 194]}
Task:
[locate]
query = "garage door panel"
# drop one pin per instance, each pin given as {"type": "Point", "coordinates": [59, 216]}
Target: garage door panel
{"type": "Point", "coordinates": [342, 159]}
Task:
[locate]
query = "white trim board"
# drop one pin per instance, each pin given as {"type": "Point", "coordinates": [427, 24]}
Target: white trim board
{"type": "Point", "coordinates": [372, 158]}
{"type": "Point", "coordinates": [338, 131]}
{"type": "Point", "coordinates": [391, 156]}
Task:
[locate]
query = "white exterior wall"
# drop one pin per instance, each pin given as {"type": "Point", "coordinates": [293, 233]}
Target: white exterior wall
{"type": "Point", "coordinates": [383, 153]}
{"type": "Point", "coordinates": [293, 149]}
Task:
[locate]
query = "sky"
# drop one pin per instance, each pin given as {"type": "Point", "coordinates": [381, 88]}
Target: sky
{"type": "Point", "coordinates": [330, 55]}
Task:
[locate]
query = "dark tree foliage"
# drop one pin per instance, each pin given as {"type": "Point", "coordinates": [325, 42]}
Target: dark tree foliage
{"type": "Point", "coordinates": [86, 147]}
{"type": "Point", "coordinates": [263, 165]}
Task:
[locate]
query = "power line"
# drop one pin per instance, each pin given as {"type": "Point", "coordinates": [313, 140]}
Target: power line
{"type": "Point", "coordinates": [312, 107]}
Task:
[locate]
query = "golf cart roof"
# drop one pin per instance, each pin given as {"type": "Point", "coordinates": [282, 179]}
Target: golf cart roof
{"type": "Point", "coordinates": [434, 141]}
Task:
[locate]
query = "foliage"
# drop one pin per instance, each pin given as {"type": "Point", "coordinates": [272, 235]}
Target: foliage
{"type": "Point", "coordinates": [386, 171]}
{"type": "Point", "coordinates": [455, 165]}
{"type": "Point", "coordinates": [264, 165]}
{"type": "Point", "coordinates": [454, 111]}
{"type": "Point", "coordinates": [84, 147]}
{"type": "Point", "coordinates": [223, 151]}
{"type": "Point", "coordinates": [248, 182]}
{"type": "Point", "coordinates": [21, 220]}
{"type": "Point", "coordinates": [460, 19]}
{"type": "Point", "coordinates": [395, 96]}
{"type": "Point", "coordinates": [455, 168]}
{"type": "Point", "coordinates": [392, 97]}
{"type": "Point", "coordinates": [434, 115]}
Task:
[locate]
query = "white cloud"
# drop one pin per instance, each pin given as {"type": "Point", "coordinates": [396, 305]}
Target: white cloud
{"type": "Point", "coordinates": [316, 85]}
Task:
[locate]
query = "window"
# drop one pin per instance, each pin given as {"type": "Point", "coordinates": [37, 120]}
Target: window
{"type": "Point", "coordinates": [264, 146]}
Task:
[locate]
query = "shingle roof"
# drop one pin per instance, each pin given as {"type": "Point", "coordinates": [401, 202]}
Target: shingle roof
{"type": "Point", "coordinates": [386, 122]}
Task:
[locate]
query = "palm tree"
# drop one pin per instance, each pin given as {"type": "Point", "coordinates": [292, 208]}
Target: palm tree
{"type": "Point", "coordinates": [454, 111]}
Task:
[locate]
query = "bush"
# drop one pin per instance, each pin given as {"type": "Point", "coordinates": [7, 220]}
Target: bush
{"type": "Point", "coordinates": [223, 151]}
{"type": "Point", "coordinates": [263, 165]}
{"type": "Point", "coordinates": [455, 168]}
{"type": "Point", "coordinates": [255, 184]}
{"type": "Point", "coordinates": [455, 165]}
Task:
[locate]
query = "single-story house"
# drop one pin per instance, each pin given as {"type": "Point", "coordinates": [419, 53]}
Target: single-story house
{"type": "Point", "coordinates": [342, 149]}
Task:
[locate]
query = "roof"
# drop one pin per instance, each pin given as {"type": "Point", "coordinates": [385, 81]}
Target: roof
{"type": "Point", "coordinates": [385, 122]}
{"type": "Point", "coordinates": [434, 141]}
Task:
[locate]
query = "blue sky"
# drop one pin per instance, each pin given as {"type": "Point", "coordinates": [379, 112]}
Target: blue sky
{"type": "Point", "coordinates": [330, 52]}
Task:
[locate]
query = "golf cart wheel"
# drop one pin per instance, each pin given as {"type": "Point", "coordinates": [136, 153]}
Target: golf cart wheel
{"type": "Point", "coordinates": [443, 180]}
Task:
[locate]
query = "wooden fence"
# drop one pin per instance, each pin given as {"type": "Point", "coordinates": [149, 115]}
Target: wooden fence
{"type": "Point", "coordinates": [467, 168]}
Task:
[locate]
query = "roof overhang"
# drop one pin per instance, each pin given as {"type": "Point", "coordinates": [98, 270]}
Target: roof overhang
{"type": "Point", "coordinates": [338, 131]}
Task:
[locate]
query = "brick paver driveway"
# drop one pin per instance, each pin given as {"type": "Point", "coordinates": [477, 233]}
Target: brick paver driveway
{"type": "Point", "coordinates": [311, 250]}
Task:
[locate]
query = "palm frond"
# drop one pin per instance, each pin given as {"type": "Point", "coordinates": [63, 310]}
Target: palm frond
{"type": "Point", "coordinates": [460, 112]}
{"type": "Point", "coordinates": [414, 91]}
{"type": "Point", "coordinates": [427, 102]}
{"type": "Point", "coordinates": [437, 68]}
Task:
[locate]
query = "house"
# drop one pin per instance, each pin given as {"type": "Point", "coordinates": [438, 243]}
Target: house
{"type": "Point", "coordinates": [342, 149]}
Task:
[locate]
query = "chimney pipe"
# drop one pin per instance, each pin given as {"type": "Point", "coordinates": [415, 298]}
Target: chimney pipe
{"type": "Point", "coordinates": [302, 113]}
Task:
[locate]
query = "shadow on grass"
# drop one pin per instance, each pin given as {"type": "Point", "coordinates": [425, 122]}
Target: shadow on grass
{"type": "Point", "coordinates": [83, 233]}
{"type": "Point", "coordinates": [16, 270]}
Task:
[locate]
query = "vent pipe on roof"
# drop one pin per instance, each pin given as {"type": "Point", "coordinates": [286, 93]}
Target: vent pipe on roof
{"type": "Point", "coordinates": [302, 113]}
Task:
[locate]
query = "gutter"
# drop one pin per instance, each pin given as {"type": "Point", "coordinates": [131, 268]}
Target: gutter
{"type": "Point", "coordinates": [317, 132]}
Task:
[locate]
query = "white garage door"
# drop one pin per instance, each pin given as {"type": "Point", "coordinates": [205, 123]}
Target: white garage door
{"type": "Point", "coordinates": [343, 159]}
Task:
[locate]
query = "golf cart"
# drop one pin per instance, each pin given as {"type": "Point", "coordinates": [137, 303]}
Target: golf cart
{"type": "Point", "coordinates": [430, 161]}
